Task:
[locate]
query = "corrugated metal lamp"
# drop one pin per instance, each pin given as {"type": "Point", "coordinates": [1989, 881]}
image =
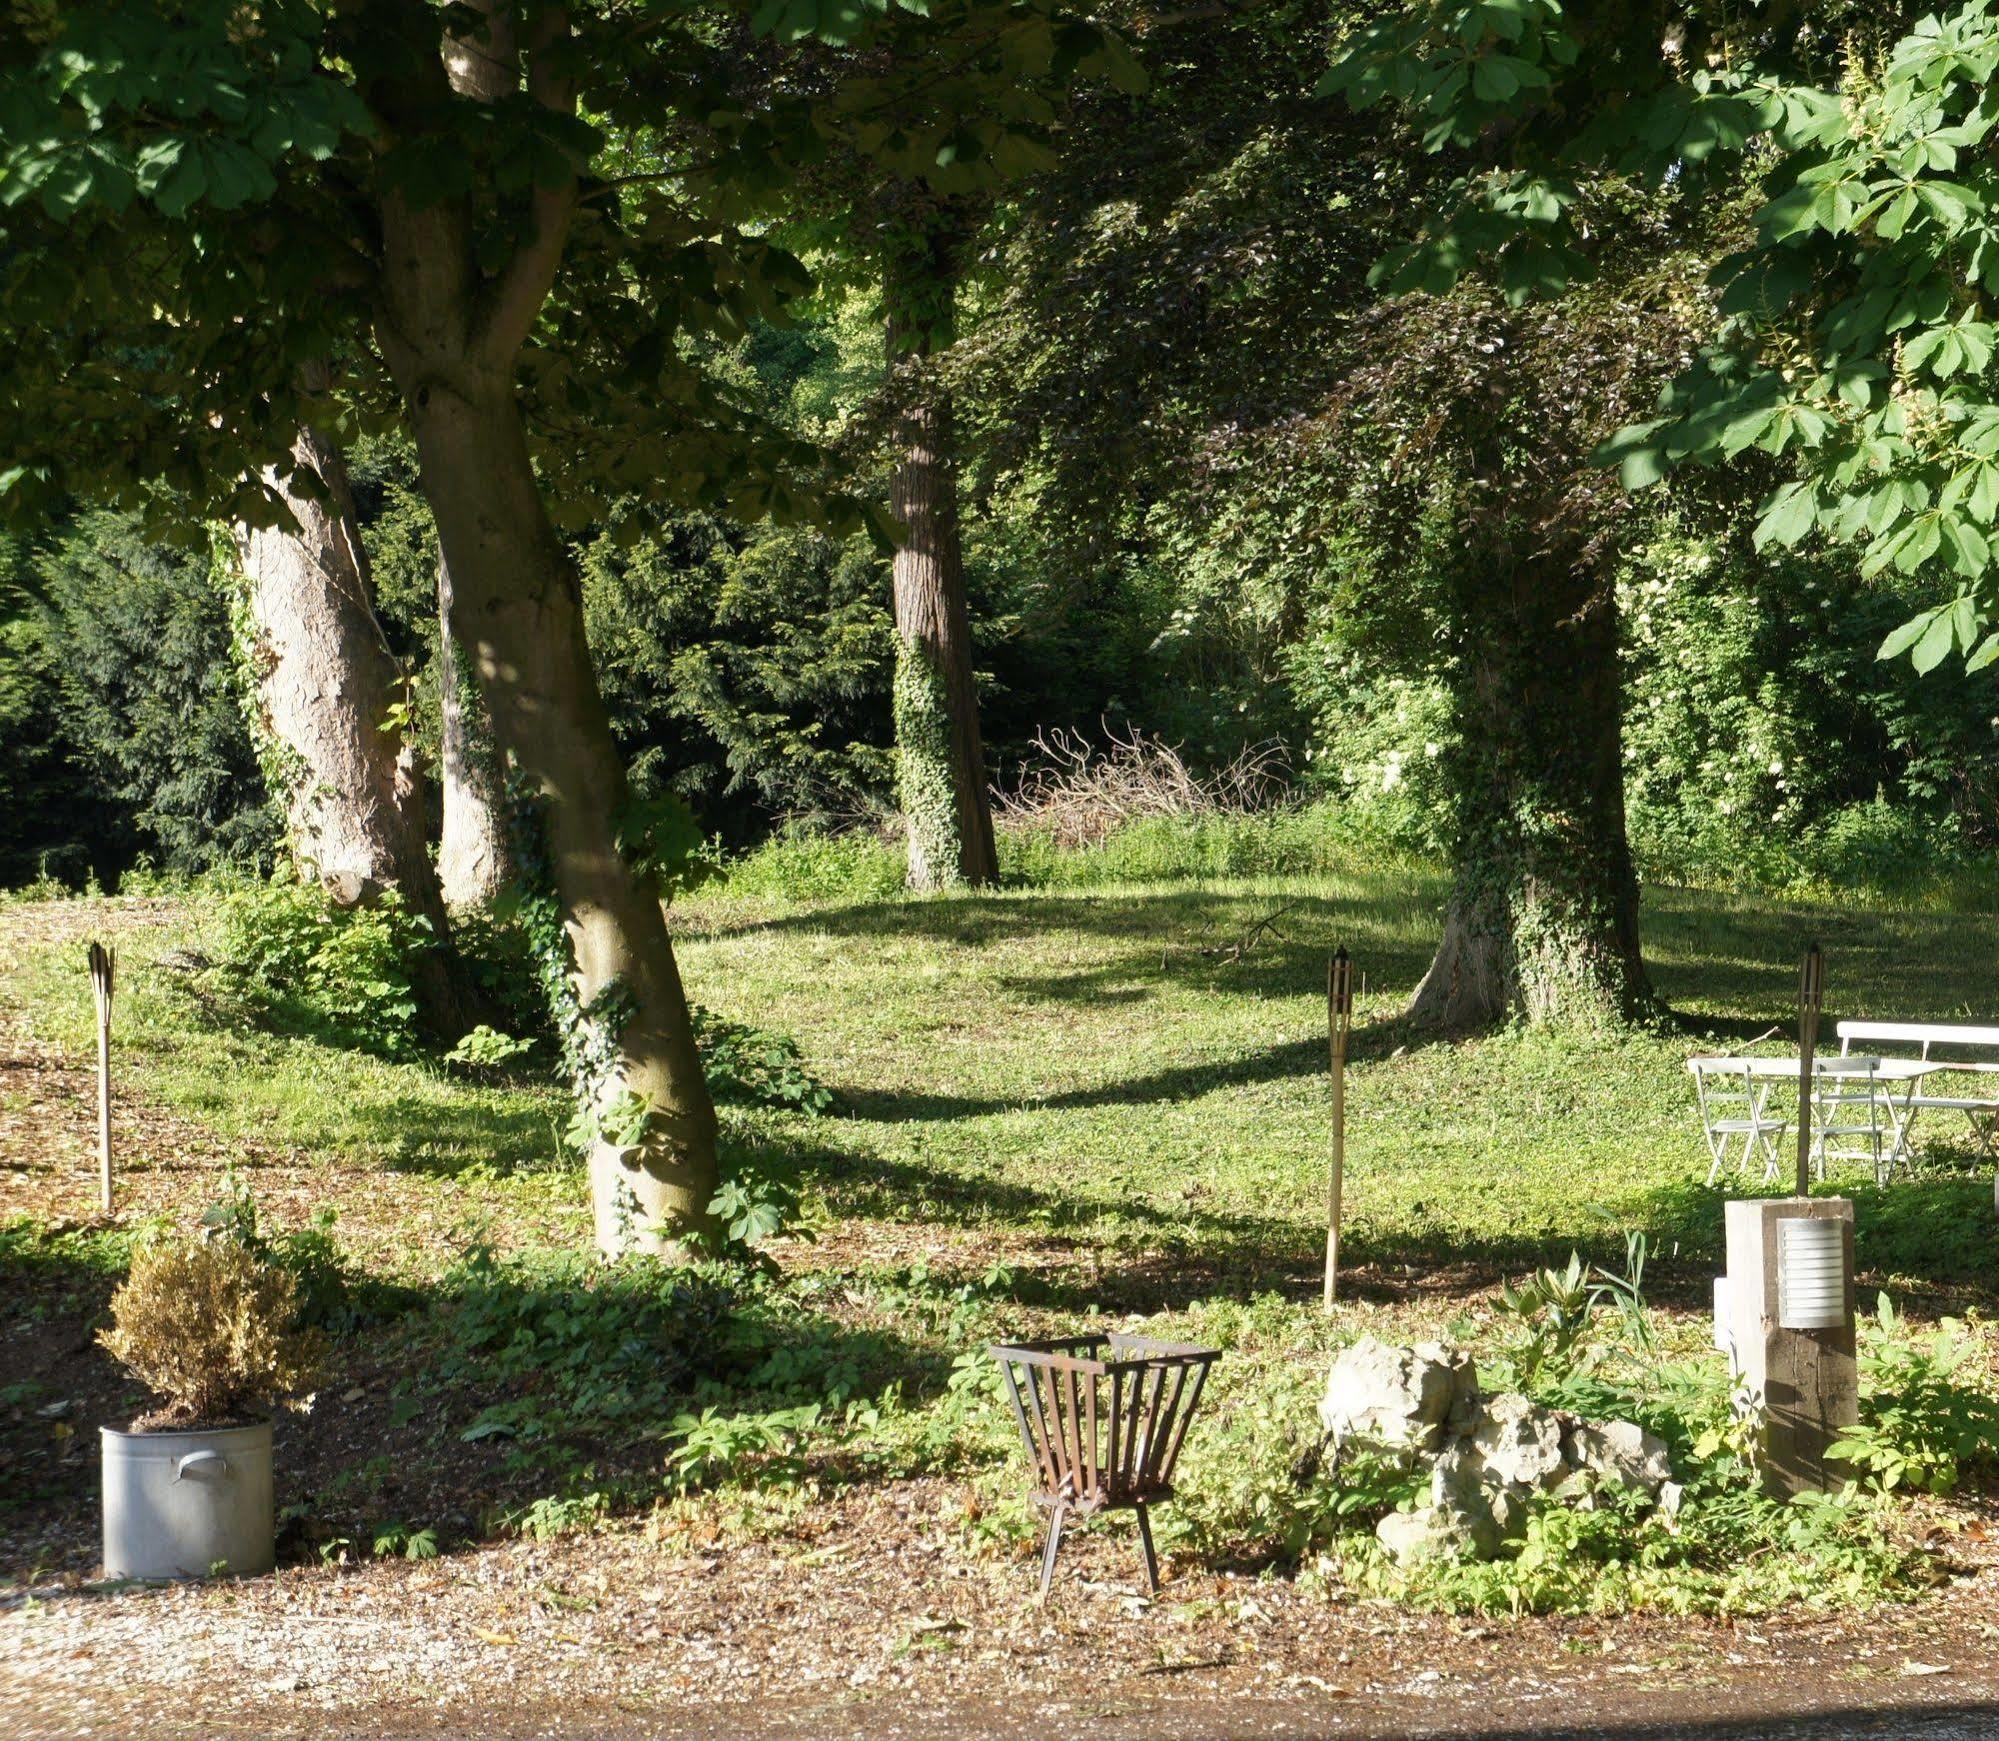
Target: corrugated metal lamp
{"type": "Point", "coordinates": [1811, 1273]}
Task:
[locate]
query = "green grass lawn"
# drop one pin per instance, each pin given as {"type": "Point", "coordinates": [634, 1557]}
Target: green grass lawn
{"type": "Point", "coordinates": [1056, 1104]}
{"type": "Point", "coordinates": [1109, 1067]}
{"type": "Point", "coordinates": [1100, 1064]}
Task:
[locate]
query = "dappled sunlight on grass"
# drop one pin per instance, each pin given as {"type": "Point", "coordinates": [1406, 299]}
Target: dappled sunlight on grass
{"type": "Point", "coordinates": [1145, 1068]}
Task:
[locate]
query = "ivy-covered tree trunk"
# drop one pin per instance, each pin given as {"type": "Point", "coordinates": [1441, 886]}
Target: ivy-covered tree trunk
{"type": "Point", "coordinates": [940, 760]}
{"type": "Point", "coordinates": [474, 864]}
{"type": "Point", "coordinates": [326, 688]}
{"type": "Point", "coordinates": [1542, 924]}
{"type": "Point", "coordinates": [517, 612]}
{"type": "Point", "coordinates": [451, 326]}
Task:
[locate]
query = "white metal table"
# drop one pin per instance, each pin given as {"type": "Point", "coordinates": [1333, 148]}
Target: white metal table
{"type": "Point", "coordinates": [1860, 1106]}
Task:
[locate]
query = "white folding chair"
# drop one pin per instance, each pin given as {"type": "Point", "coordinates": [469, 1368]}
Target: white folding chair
{"type": "Point", "coordinates": [1856, 1117]}
{"type": "Point", "coordinates": [1732, 1111]}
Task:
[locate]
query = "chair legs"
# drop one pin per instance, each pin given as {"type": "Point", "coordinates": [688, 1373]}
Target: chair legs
{"type": "Point", "coordinates": [1145, 1542]}
{"type": "Point", "coordinates": [1056, 1518]}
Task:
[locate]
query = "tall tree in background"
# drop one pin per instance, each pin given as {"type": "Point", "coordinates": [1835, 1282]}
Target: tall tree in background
{"type": "Point", "coordinates": [1490, 416]}
{"type": "Point", "coordinates": [940, 759]}
{"type": "Point", "coordinates": [924, 130]}
{"type": "Point", "coordinates": [1183, 316]}
{"type": "Point", "coordinates": [475, 863]}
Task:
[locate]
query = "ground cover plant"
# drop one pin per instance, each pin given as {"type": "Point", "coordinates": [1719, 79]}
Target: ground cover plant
{"type": "Point", "coordinates": [956, 1119]}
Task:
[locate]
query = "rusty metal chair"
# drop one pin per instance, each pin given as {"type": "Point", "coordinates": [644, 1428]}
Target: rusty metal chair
{"type": "Point", "coordinates": [1103, 1418]}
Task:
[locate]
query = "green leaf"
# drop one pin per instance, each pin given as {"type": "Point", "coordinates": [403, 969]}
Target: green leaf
{"type": "Point", "coordinates": [1936, 642]}
{"type": "Point", "coordinates": [1638, 452]}
{"type": "Point", "coordinates": [1902, 639]}
{"type": "Point", "coordinates": [1787, 516]}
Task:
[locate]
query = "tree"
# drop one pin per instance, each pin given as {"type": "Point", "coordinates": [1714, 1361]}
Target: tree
{"type": "Point", "coordinates": [1848, 338]}
{"type": "Point", "coordinates": [1196, 335]}
{"type": "Point", "coordinates": [1559, 132]}
{"type": "Point", "coordinates": [196, 193]}
{"type": "Point", "coordinates": [940, 759]}
{"type": "Point", "coordinates": [977, 88]}
{"type": "Point", "coordinates": [475, 863]}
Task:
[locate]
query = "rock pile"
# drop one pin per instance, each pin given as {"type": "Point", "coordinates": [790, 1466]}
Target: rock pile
{"type": "Point", "coordinates": [1488, 1457]}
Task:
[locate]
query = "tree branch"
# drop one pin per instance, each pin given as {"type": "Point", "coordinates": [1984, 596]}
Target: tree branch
{"type": "Point", "coordinates": [517, 294]}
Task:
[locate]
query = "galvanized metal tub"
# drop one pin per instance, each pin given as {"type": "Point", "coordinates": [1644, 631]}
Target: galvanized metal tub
{"type": "Point", "coordinates": [185, 1505]}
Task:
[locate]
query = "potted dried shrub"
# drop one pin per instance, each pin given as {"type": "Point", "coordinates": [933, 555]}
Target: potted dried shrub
{"type": "Point", "coordinates": [208, 1327]}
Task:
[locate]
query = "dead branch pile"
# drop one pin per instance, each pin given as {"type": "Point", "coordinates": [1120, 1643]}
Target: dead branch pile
{"type": "Point", "coordinates": [1078, 790]}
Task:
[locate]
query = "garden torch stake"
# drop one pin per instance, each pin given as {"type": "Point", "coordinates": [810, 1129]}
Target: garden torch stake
{"type": "Point", "coordinates": [1339, 1021]}
{"type": "Point", "coordinates": [1811, 994]}
{"type": "Point", "coordinates": [103, 963]}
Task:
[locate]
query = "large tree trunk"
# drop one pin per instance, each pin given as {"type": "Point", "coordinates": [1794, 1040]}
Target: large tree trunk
{"type": "Point", "coordinates": [1543, 920]}
{"type": "Point", "coordinates": [326, 689]}
{"type": "Point", "coordinates": [452, 330]}
{"type": "Point", "coordinates": [940, 761]}
{"type": "Point", "coordinates": [516, 610]}
{"type": "Point", "coordinates": [474, 864]}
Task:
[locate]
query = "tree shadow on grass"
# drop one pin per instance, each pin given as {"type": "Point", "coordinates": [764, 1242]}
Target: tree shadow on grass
{"type": "Point", "coordinates": [1932, 1242]}
{"type": "Point", "coordinates": [1284, 1060]}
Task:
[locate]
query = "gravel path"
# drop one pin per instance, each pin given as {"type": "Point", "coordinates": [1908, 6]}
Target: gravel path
{"type": "Point", "coordinates": [883, 1630]}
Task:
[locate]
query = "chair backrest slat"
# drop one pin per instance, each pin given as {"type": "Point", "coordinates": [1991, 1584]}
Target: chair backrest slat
{"type": "Point", "coordinates": [1103, 1431]}
{"type": "Point", "coordinates": [1172, 1461]}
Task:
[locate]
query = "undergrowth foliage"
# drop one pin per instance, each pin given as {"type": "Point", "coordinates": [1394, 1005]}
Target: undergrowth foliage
{"type": "Point", "coordinates": [344, 974]}
{"type": "Point", "coordinates": [1257, 1487]}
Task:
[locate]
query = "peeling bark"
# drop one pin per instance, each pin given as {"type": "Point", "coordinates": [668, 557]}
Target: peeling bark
{"type": "Point", "coordinates": [326, 685]}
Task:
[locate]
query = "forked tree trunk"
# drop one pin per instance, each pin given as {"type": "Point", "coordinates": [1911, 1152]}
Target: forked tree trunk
{"type": "Point", "coordinates": [452, 329]}
{"type": "Point", "coordinates": [940, 760]}
{"type": "Point", "coordinates": [474, 864]}
{"type": "Point", "coordinates": [326, 690]}
{"type": "Point", "coordinates": [517, 612]}
{"type": "Point", "coordinates": [1543, 919]}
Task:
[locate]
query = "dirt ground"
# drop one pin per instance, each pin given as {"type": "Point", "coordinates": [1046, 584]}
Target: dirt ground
{"type": "Point", "coordinates": [883, 1630]}
{"type": "Point", "coordinates": [867, 1615]}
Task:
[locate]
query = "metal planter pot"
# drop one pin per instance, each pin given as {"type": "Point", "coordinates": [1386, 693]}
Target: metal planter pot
{"type": "Point", "coordinates": [183, 1505]}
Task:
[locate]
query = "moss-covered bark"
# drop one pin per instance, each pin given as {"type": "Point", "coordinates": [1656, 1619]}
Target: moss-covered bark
{"type": "Point", "coordinates": [1543, 920]}
{"type": "Point", "coordinates": [940, 758]}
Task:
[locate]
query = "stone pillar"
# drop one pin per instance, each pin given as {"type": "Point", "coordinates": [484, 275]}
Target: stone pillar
{"type": "Point", "coordinates": [1804, 1384]}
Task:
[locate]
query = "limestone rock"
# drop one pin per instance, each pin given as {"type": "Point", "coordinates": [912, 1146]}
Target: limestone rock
{"type": "Point", "coordinates": [1521, 1442]}
{"type": "Point", "coordinates": [1400, 1400]}
{"type": "Point", "coordinates": [1416, 1535]}
{"type": "Point", "coordinates": [1482, 1512]}
{"type": "Point", "coordinates": [1622, 1453]}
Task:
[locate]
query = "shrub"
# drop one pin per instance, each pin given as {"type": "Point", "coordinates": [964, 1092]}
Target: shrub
{"type": "Point", "coordinates": [208, 1327]}
{"type": "Point", "coordinates": [756, 1066]}
{"type": "Point", "coordinates": [344, 972]}
{"type": "Point", "coordinates": [819, 867]}
{"type": "Point", "coordinates": [1923, 1422]}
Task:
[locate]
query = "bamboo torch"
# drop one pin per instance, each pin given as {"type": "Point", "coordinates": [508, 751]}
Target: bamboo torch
{"type": "Point", "coordinates": [103, 966]}
{"type": "Point", "coordinates": [1339, 1022]}
{"type": "Point", "coordinates": [1811, 996]}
